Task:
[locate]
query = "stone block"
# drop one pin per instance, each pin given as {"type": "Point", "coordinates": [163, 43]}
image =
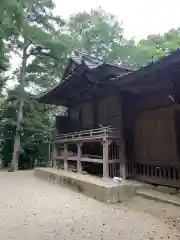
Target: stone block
{"type": "Point", "coordinates": [104, 191]}
{"type": "Point", "coordinates": [168, 190]}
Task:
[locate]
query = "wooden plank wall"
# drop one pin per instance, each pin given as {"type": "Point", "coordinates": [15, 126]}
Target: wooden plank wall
{"type": "Point", "coordinates": [154, 100]}
{"type": "Point", "coordinates": [73, 118]}
{"type": "Point", "coordinates": [129, 103]}
{"type": "Point", "coordinates": [109, 112]}
{"type": "Point", "coordinates": [74, 113]}
{"type": "Point", "coordinates": [62, 124]}
{"type": "Point", "coordinates": [87, 115]}
{"type": "Point", "coordinates": [155, 137]}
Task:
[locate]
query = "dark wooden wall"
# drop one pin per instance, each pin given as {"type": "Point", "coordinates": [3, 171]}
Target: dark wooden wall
{"type": "Point", "coordinates": [65, 125]}
{"type": "Point", "coordinates": [156, 129]}
{"type": "Point", "coordinates": [83, 114]}
{"type": "Point", "coordinates": [109, 112]}
{"type": "Point", "coordinates": [158, 99]}
{"type": "Point", "coordinates": [104, 111]}
{"type": "Point", "coordinates": [155, 136]}
{"type": "Point", "coordinates": [129, 104]}
{"type": "Point", "coordinates": [87, 115]}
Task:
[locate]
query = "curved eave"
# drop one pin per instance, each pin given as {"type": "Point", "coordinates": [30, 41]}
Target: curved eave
{"type": "Point", "coordinates": [142, 73]}
{"type": "Point", "coordinates": [60, 93]}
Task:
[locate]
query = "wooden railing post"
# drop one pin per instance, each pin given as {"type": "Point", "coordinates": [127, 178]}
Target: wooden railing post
{"type": "Point", "coordinates": [122, 161]}
{"type": "Point", "coordinates": [65, 156]}
{"type": "Point", "coordinates": [79, 154]}
{"type": "Point", "coordinates": [105, 157]}
{"type": "Point", "coordinates": [54, 155]}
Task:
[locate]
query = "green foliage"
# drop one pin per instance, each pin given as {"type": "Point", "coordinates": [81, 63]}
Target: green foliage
{"type": "Point", "coordinates": [48, 64]}
{"type": "Point", "coordinates": [50, 41]}
{"type": "Point", "coordinates": [156, 46]}
{"type": "Point", "coordinates": [47, 47]}
{"type": "Point", "coordinates": [95, 32]}
{"type": "Point", "coordinates": [36, 38]}
{"type": "Point", "coordinates": [35, 131]}
{"type": "Point", "coordinates": [29, 29]}
{"type": "Point", "coordinates": [9, 20]}
{"type": "Point", "coordinates": [100, 34]}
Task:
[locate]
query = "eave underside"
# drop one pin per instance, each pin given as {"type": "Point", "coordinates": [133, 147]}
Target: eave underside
{"type": "Point", "coordinates": [81, 85]}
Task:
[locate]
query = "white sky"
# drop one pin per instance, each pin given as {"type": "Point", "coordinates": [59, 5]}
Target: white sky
{"type": "Point", "coordinates": [140, 17]}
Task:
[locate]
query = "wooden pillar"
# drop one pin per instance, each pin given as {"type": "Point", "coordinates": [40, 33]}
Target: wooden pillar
{"type": "Point", "coordinates": [65, 156]}
{"type": "Point", "coordinates": [127, 129]}
{"type": "Point", "coordinates": [54, 155]}
{"type": "Point", "coordinates": [79, 154]}
{"type": "Point", "coordinates": [105, 158]}
{"type": "Point", "coordinates": [122, 160]}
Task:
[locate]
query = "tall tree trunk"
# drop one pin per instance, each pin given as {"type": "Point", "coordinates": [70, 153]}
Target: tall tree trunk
{"type": "Point", "coordinates": [17, 139]}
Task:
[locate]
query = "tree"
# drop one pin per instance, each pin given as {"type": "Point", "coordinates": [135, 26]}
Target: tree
{"type": "Point", "coordinates": [35, 131]}
{"type": "Point", "coordinates": [156, 46]}
{"type": "Point", "coordinates": [44, 43]}
{"type": "Point", "coordinates": [100, 34]}
{"type": "Point", "coordinates": [10, 19]}
{"type": "Point", "coordinates": [37, 37]}
{"type": "Point", "coordinates": [95, 32]}
{"type": "Point", "coordinates": [46, 70]}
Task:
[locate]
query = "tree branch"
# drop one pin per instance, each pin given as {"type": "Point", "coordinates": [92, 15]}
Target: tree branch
{"type": "Point", "coordinates": [15, 51]}
{"type": "Point", "coordinates": [40, 51]}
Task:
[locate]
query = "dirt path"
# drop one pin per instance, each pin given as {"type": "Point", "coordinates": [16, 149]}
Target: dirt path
{"type": "Point", "coordinates": [31, 208]}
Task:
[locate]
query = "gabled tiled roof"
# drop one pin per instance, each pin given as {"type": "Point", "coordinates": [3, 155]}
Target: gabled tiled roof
{"type": "Point", "coordinates": [90, 62]}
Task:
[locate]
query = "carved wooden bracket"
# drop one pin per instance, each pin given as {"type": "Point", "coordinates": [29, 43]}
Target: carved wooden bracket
{"type": "Point", "coordinates": [80, 143]}
{"type": "Point", "coordinates": [104, 141]}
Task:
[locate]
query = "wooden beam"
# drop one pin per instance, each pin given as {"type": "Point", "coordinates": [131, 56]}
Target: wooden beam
{"type": "Point", "coordinates": [54, 155]}
{"type": "Point", "coordinates": [79, 154]}
{"type": "Point", "coordinates": [122, 161]}
{"type": "Point", "coordinates": [92, 160]}
{"type": "Point", "coordinates": [65, 156]}
{"type": "Point", "coordinates": [127, 127]}
{"type": "Point", "coordinates": [105, 157]}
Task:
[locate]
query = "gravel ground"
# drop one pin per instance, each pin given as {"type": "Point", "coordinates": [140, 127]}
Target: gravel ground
{"type": "Point", "coordinates": [31, 208]}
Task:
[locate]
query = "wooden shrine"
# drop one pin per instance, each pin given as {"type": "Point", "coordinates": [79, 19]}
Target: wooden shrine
{"type": "Point", "coordinates": [119, 122]}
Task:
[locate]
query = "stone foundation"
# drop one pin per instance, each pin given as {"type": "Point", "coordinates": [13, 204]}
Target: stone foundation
{"type": "Point", "coordinates": [103, 190]}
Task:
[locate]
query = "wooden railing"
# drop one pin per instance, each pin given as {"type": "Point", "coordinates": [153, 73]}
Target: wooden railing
{"type": "Point", "coordinates": [167, 174]}
{"type": "Point", "coordinates": [72, 152]}
{"type": "Point", "coordinates": [98, 132]}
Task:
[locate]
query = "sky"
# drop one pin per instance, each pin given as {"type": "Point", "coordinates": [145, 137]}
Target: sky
{"type": "Point", "coordinates": [139, 17]}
